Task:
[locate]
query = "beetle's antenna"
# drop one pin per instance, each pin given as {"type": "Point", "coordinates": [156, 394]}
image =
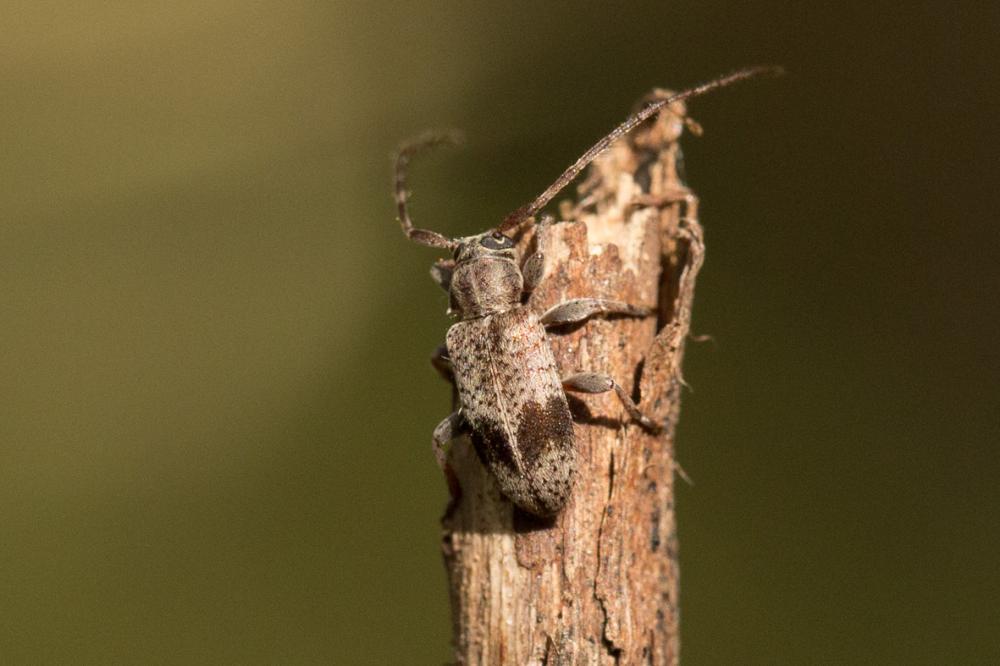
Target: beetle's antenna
{"type": "Point", "coordinates": [427, 140]}
{"type": "Point", "coordinates": [518, 217]}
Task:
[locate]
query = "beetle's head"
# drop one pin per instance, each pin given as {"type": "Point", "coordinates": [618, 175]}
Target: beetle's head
{"type": "Point", "coordinates": [491, 245]}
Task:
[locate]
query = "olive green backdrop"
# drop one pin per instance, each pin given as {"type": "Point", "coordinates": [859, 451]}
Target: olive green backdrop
{"type": "Point", "coordinates": [216, 400]}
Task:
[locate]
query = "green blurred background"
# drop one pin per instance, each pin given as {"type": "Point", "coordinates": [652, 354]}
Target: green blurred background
{"type": "Point", "coordinates": [216, 397]}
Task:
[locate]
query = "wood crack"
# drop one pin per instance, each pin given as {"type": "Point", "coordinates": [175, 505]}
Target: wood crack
{"type": "Point", "coordinates": [613, 650]}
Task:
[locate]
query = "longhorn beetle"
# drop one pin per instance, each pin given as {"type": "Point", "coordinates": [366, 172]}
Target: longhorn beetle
{"type": "Point", "coordinates": [511, 398]}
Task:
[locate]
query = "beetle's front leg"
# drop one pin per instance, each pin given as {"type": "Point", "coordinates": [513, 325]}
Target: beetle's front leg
{"type": "Point", "coordinates": [441, 272]}
{"type": "Point", "coordinates": [580, 309]}
{"type": "Point", "coordinates": [592, 382]}
{"type": "Point", "coordinates": [533, 269]}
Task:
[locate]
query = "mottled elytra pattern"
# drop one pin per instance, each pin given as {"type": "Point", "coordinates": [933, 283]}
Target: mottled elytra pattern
{"type": "Point", "coordinates": [511, 397]}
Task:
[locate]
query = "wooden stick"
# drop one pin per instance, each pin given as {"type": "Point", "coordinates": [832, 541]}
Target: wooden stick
{"type": "Point", "coordinates": [599, 583]}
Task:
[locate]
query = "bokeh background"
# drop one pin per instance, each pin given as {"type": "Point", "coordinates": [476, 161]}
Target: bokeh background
{"type": "Point", "coordinates": [216, 400]}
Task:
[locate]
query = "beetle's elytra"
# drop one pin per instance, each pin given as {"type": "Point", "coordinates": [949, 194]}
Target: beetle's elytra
{"type": "Point", "coordinates": [511, 396]}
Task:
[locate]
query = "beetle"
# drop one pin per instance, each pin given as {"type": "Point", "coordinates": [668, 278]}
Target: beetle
{"type": "Point", "coordinates": [512, 400]}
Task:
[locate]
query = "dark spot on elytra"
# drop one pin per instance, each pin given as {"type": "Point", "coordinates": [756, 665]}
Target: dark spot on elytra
{"type": "Point", "coordinates": [543, 427]}
{"type": "Point", "coordinates": [492, 445]}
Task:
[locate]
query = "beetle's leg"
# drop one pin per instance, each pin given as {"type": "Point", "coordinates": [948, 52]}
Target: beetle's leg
{"type": "Point", "coordinates": [445, 368]}
{"type": "Point", "coordinates": [591, 382]}
{"type": "Point", "coordinates": [441, 271]}
{"type": "Point", "coordinates": [450, 428]}
{"type": "Point", "coordinates": [443, 364]}
{"type": "Point", "coordinates": [533, 271]}
{"type": "Point", "coordinates": [579, 309]}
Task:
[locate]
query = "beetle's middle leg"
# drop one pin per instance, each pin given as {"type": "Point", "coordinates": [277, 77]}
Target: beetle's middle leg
{"type": "Point", "coordinates": [453, 426]}
{"type": "Point", "coordinates": [443, 364]}
{"type": "Point", "coordinates": [580, 309]}
{"type": "Point", "coordinates": [592, 382]}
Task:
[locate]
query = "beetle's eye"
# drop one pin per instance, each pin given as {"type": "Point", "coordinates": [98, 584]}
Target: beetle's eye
{"type": "Point", "coordinates": [496, 241]}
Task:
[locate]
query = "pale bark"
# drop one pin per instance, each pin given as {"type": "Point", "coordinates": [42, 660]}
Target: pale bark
{"type": "Point", "coordinates": [599, 583]}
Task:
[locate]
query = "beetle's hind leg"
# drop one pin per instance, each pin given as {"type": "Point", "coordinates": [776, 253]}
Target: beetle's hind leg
{"type": "Point", "coordinates": [592, 382]}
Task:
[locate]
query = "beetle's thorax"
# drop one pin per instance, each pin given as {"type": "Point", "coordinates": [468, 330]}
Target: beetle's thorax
{"type": "Point", "coordinates": [484, 286]}
{"type": "Point", "coordinates": [486, 278]}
